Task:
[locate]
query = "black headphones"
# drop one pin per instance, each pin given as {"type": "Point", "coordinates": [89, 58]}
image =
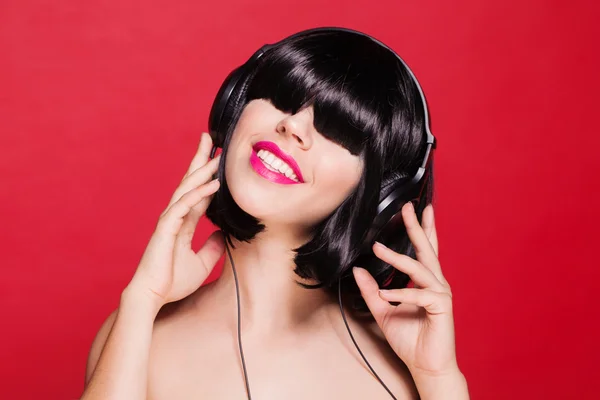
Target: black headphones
{"type": "Point", "coordinates": [388, 220]}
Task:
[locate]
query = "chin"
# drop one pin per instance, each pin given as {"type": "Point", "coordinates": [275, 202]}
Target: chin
{"type": "Point", "coordinates": [272, 202]}
{"type": "Point", "coordinates": [253, 196]}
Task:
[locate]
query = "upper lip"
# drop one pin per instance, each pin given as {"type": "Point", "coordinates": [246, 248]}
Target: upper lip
{"type": "Point", "coordinates": [273, 148]}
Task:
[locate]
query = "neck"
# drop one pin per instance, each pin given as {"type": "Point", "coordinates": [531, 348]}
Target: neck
{"type": "Point", "coordinates": [271, 300]}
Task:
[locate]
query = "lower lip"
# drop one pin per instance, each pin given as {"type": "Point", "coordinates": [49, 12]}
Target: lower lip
{"type": "Point", "coordinates": [266, 173]}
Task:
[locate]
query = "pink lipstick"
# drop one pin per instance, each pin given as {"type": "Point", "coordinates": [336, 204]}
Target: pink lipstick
{"type": "Point", "coordinates": [274, 176]}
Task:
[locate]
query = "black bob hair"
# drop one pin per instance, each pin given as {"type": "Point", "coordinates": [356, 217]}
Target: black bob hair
{"type": "Point", "coordinates": [365, 100]}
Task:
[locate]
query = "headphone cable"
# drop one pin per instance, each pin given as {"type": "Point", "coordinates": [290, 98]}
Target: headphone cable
{"type": "Point", "coordinates": [239, 325]}
{"type": "Point", "coordinates": [239, 330]}
{"type": "Point", "coordinates": [354, 341]}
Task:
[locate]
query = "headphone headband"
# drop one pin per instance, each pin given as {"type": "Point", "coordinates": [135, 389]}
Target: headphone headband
{"type": "Point", "coordinates": [388, 218]}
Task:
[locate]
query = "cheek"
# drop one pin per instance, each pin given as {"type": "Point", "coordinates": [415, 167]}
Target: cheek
{"type": "Point", "coordinates": [336, 183]}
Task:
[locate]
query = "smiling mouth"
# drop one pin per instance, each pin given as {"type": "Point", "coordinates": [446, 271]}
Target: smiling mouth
{"type": "Point", "coordinates": [276, 161]}
{"type": "Point", "coordinates": [271, 163]}
{"type": "Point", "coordinates": [276, 164]}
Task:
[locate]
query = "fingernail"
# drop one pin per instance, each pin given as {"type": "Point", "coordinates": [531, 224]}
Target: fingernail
{"type": "Point", "coordinates": [359, 273]}
{"type": "Point", "coordinates": [410, 206]}
{"type": "Point", "coordinates": [383, 292]}
{"type": "Point", "coordinates": [383, 246]}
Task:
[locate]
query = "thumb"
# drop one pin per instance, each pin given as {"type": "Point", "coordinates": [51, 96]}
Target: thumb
{"type": "Point", "coordinates": [370, 292]}
{"type": "Point", "coordinates": [212, 250]}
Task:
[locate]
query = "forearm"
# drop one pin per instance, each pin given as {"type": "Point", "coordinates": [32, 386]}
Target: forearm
{"type": "Point", "coordinates": [445, 387]}
{"type": "Point", "coordinates": [122, 369]}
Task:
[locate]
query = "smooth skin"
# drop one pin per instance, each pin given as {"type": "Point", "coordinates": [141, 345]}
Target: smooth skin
{"type": "Point", "coordinates": [165, 342]}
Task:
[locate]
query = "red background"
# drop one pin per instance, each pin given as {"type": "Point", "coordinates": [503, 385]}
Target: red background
{"type": "Point", "coordinates": [101, 108]}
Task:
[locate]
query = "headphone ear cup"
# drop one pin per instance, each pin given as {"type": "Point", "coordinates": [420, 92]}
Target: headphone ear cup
{"type": "Point", "coordinates": [388, 221]}
{"type": "Point", "coordinates": [235, 104]}
{"type": "Point", "coordinates": [227, 104]}
{"type": "Point", "coordinates": [230, 97]}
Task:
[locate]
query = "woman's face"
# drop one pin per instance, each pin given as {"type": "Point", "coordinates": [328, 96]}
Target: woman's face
{"type": "Point", "coordinates": [314, 175]}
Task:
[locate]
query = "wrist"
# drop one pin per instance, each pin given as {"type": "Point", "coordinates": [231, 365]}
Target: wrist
{"type": "Point", "coordinates": [451, 385]}
{"type": "Point", "coordinates": [142, 301]}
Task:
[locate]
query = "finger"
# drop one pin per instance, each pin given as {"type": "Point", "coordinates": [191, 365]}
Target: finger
{"type": "Point", "coordinates": [203, 265]}
{"type": "Point", "coordinates": [418, 273]}
{"type": "Point", "coordinates": [433, 302]}
{"type": "Point", "coordinates": [206, 258]}
{"type": "Point", "coordinates": [202, 155]}
{"type": "Point", "coordinates": [423, 248]}
{"type": "Point", "coordinates": [197, 178]}
{"type": "Point", "coordinates": [370, 292]}
{"type": "Point", "coordinates": [190, 222]}
{"type": "Point", "coordinates": [431, 232]}
{"type": "Point", "coordinates": [170, 222]}
{"type": "Point", "coordinates": [429, 228]}
{"type": "Point", "coordinates": [212, 250]}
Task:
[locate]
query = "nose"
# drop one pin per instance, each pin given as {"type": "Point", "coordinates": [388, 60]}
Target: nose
{"type": "Point", "coordinates": [297, 126]}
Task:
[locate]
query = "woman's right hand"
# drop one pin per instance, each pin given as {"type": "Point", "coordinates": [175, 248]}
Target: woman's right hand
{"type": "Point", "coordinates": [169, 269]}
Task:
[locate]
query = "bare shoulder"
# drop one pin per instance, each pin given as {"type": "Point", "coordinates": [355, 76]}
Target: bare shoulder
{"type": "Point", "coordinates": [166, 312]}
{"type": "Point", "coordinates": [98, 345]}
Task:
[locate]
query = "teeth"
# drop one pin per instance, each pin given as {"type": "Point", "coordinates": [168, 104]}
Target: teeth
{"type": "Point", "coordinates": [276, 164]}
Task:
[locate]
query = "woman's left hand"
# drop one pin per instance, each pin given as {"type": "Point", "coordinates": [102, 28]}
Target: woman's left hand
{"type": "Point", "coordinates": [421, 328]}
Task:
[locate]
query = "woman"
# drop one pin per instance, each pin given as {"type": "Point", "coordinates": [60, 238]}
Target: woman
{"type": "Point", "coordinates": [328, 123]}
